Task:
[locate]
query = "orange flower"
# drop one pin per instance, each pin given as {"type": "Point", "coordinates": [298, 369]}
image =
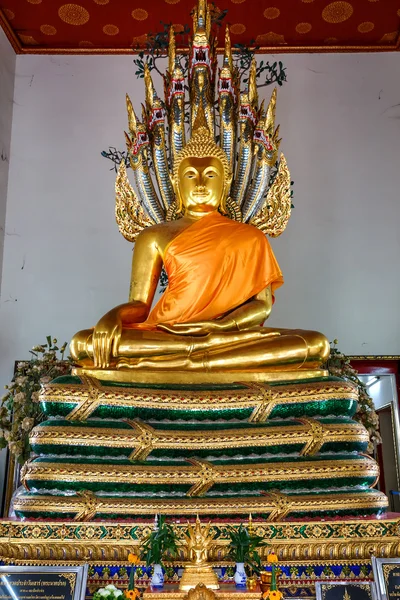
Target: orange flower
{"type": "Point", "coordinates": [133, 558]}
{"type": "Point", "coordinates": [272, 595]}
{"type": "Point", "coordinates": [132, 594]}
{"type": "Point", "coordinates": [272, 557]}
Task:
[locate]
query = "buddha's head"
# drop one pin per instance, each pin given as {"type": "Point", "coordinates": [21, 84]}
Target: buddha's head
{"type": "Point", "coordinates": [201, 176]}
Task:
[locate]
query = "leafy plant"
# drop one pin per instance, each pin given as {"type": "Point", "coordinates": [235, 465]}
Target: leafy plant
{"type": "Point", "coordinates": [160, 544]}
{"type": "Point", "coordinates": [338, 364]}
{"type": "Point", "coordinates": [19, 407]}
{"type": "Point", "coordinates": [243, 547]}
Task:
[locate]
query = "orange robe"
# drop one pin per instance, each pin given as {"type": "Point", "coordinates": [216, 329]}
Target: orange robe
{"type": "Point", "coordinates": [213, 266]}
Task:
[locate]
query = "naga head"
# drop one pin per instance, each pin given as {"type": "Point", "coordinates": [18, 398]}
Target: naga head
{"type": "Point", "coordinates": [200, 57]}
{"type": "Point", "coordinates": [155, 112]}
{"type": "Point", "coordinates": [174, 81]}
{"type": "Point", "coordinates": [227, 82]}
{"type": "Point", "coordinates": [265, 134]}
{"type": "Point", "coordinates": [137, 138]}
{"type": "Point", "coordinates": [249, 99]}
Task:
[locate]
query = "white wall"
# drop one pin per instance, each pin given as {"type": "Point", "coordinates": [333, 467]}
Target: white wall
{"type": "Point", "coordinates": [65, 262]}
{"type": "Point", "coordinates": [7, 74]}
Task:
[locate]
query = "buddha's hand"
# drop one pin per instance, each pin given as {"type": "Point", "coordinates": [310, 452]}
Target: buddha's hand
{"type": "Point", "coordinates": [106, 338]}
{"type": "Point", "coordinates": [199, 328]}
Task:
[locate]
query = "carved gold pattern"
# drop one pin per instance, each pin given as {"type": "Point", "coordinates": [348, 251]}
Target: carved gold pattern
{"type": "Point", "coordinates": [129, 214]}
{"type": "Point", "coordinates": [318, 542]}
{"type": "Point", "coordinates": [387, 569]}
{"type": "Point", "coordinates": [201, 592]}
{"type": "Point", "coordinates": [273, 503]}
{"type": "Point", "coordinates": [92, 393]}
{"type": "Point", "coordinates": [71, 578]}
{"type": "Point", "coordinates": [274, 216]}
{"type": "Point", "coordinates": [143, 438]}
{"type": "Point", "coordinates": [200, 475]}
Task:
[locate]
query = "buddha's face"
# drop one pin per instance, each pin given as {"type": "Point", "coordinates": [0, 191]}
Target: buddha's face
{"type": "Point", "coordinates": [201, 183]}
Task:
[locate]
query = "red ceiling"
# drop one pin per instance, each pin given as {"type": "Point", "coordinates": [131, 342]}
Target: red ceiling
{"type": "Point", "coordinates": [118, 26]}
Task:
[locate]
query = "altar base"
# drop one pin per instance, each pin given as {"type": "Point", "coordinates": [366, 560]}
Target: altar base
{"type": "Point", "coordinates": [296, 542]}
{"type": "Point", "coordinates": [193, 575]}
{"type": "Point", "coordinates": [227, 591]}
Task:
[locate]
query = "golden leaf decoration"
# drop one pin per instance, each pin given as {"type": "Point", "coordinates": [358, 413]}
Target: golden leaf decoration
{"type": "Point", "coordinates": [275, 213]}
{"type": "Point", "coordinates": [130, 216]}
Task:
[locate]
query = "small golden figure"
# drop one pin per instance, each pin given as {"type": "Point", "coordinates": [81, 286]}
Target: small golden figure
{"type": "Point", "coordinates": [199, 540]}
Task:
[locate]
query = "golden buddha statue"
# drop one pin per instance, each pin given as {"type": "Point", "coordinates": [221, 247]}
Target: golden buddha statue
{"type": "Point", "coordinates": [198, 542]}
{"type": "Point", "coordinates": [222, 273]}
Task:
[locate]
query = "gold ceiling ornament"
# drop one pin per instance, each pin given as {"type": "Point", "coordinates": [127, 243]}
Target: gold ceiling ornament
{"type": "Point", "coordinates": [270, 39]}
{"type": "Point", "coordinates": [237, 28]}
{"type": "Point", "coordinates": [73, 14]}
{"type": "Point", "coordinates": [248, 139]}
{"type": "Point", "coordinates": [365, 27]}
{"type": "Point", "coordinates": [28, 40]}
{"type": "Point", "coordinates": [9, 14]}
{"type": "Point", "coordinates": [303, 27]}
{"type": "Point", "coordinates": [337, 12]}
{"type": "Point", "coordinates": [110, 29]}
{"type": "Point", "coordinates": [48, 29]}
{"type": "Point", "coordinates": [140, 14]}
{"type": "Point", "coordinates": [271, 12]}
{"type": "Point", "coordinates": [388, 38]}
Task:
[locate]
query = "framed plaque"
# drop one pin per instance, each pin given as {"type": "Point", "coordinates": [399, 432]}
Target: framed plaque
{"type": "Point", "coordinates": [37, 583]}
{"type": "Point", "coordinates": [387, 575]}
{"type": "Point", "coordinates": [345, 590]}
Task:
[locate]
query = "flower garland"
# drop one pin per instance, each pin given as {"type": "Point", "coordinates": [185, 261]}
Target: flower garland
{"type": "Point", "coordinates": [19, 407]}
{"type": "Point", "coordinates": [339, 365]}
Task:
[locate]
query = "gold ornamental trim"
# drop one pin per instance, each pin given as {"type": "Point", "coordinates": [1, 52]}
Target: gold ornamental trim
{"type": "Point", "coordinates": [109, 542]}
{"type": "Point", "coordinates": [92, 393]}
{"type": "Point", "coordinates": [86, 505]}
{"type": "Point", "coordinates": [143, 438]}
{"type": "Point", "coordinates": [200, 475]}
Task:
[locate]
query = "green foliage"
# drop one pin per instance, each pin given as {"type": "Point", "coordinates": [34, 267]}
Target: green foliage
{"type": "Point", "coordinates": [19, 407]}
{"type": "Point", "coordinates": [160, 544]}
{"type": "Point", "coordinates": [339, 365]}
{"type": "Point", "coordinates": [243, 547]}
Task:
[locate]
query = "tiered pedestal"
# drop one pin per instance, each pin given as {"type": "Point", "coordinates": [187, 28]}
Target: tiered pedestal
{"type": "Point", "coordinates": [274, 449]}
{"type": "Point", "coordinates": [111, 456]}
